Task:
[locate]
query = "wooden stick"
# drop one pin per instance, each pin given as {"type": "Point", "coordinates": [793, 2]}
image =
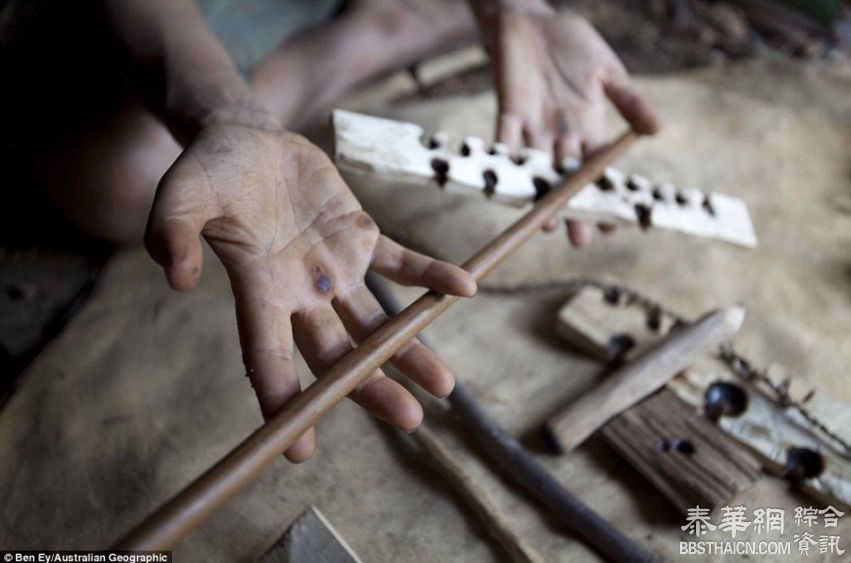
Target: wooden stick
{"type": "Point", "coordinates": [513, 461]}
{"type": "Point", "coordinates": [476, 499]}
{"type": "Point", "coordinates": [241, 466]}
{"type": "Point", "coordinates": [640, 378]}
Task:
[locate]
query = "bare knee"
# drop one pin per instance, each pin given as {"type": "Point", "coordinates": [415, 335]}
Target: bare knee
{"type": "Point", "coordinates": [105, 181]}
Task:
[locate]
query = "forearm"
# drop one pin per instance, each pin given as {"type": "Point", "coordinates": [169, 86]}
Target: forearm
{"type": "Point", "coordinates": [183, 72]}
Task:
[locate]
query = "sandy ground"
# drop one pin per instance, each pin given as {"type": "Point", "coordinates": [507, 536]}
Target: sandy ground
{"type": "Point", "coordinates": [144, 388]}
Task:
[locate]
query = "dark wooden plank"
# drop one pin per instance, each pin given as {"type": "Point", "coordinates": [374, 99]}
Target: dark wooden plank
{"type": "Point", "coordinates": [683, 454]}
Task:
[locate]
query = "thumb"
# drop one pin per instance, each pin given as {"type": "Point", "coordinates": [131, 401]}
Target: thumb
{"type": "Point", "coordinates": [180, 211]}
{"type": "Point", "coordinates": [175, 244]}
{"type": "Point", "coordinates": [632, 106]}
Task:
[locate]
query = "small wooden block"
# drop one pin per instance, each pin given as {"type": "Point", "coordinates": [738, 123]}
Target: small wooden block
{"type": "Point", "coordinates": [588, 323]}
{"type": "Point", "coordinates": [310, 539]}
{"type": "Point", "coordinates": [684, 455]}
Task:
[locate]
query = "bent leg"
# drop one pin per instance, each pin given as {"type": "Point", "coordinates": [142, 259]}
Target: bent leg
{"type": "Point", "coordinates": [105, 178]}
{"type": "Point", "coordinates": [305, 75]}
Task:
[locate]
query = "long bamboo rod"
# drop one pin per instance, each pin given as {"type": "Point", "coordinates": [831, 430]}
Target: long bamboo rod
{"type": "Point", "coordinates": [195, 503]}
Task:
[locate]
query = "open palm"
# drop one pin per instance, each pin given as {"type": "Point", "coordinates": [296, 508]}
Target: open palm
{"type": "Point", "coordinates": [555, 75]}
{"type": "Point", "coordinates": [296, 245]}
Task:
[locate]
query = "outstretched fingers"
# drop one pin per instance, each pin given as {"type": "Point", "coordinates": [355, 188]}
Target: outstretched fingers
{"type": "Point", "coordinates": [634, 108]}
{"type": "Point", "coordinates": [569, 145]}
{"type": "Point", "coordinates": [265, 334]}
{"type": "Point", "coordinates": [362, 315]}
{"type": "Point", "coordinates": [509, 131]}
{"type": "Point", "coordinates": [404, 266]}
{"type": "Point", "coordinates": [323, 341]}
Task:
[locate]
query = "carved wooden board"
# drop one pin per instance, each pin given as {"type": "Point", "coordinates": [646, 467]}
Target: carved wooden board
{"type": "Point", "coordinates": [783, 439]}
{"type": "Point", "coordinates": [684, 455]}
{"type": "Point", "coordinates": [398, 151]}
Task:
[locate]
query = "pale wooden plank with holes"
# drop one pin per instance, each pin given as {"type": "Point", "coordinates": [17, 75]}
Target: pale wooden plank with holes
{"type": "Point", "coordinates": [399, 151]}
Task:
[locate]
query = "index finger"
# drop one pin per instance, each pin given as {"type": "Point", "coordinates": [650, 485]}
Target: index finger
{"type": "Point", "coordinates": [634, 108]}
{"type": "Point", "coordinates": [404, 266]}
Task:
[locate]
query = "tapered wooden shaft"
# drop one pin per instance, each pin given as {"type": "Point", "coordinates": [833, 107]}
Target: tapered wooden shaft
{"type": "Point", "coordinates": [476, 498]}
{"type": "Point", "coordinates": [241, 466]}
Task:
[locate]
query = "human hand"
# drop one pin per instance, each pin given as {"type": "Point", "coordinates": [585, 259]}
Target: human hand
{"type": "Point", "coordinates": [554, 74]}
{"type": "Point", "coordinates": [296, 246]}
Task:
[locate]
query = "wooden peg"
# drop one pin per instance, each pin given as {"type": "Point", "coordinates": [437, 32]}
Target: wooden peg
{"type": "Point", "coordinates": [638, 379]}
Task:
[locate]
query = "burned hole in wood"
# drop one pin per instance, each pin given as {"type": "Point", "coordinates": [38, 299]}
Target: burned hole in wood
{"type": "Point", "coordinates": [707, 205]}
{"type": "Point", "coordinates": [490, 179]}
{"type": "Point", "coordinates": [441, 170]}
{"type": "Point", "coordinates": [618, 346]}
{"type": "Point", "coordinates": [657, 194]}
{"type": "Point", "coordinates": [605, 184]}
{"type": "Point", "coordinates": [519, 160]}
{"type": "Point", "coordinates": [683, 446]}
{"type": "Point", "coordinates": [802, 463]}
{"type": "Point", "coordinates": [431, 143]}
{"type": "Point", "coordinates": [632, 186]}
{"type": "Point", "coordinates": [654, 319]}
{"type": "Point", "coordinates": [465, 150]}
{"type": "Point", "coordinates": [492, 150]}
{"type": "Point", "coordinates": [681, 199]}
{"type": "Point", "coordinates": [542, 187]}
{"type": "Point", "coordinates": [662, 445]}
{"type": "Point", "coordinates": [644, 215]}
{"type": "Point", "coordinates": [724, 399]}
{"type": "Point", "coordinates": [559, 168]}
{"type": "Point", "coordinates": [612, 296]}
